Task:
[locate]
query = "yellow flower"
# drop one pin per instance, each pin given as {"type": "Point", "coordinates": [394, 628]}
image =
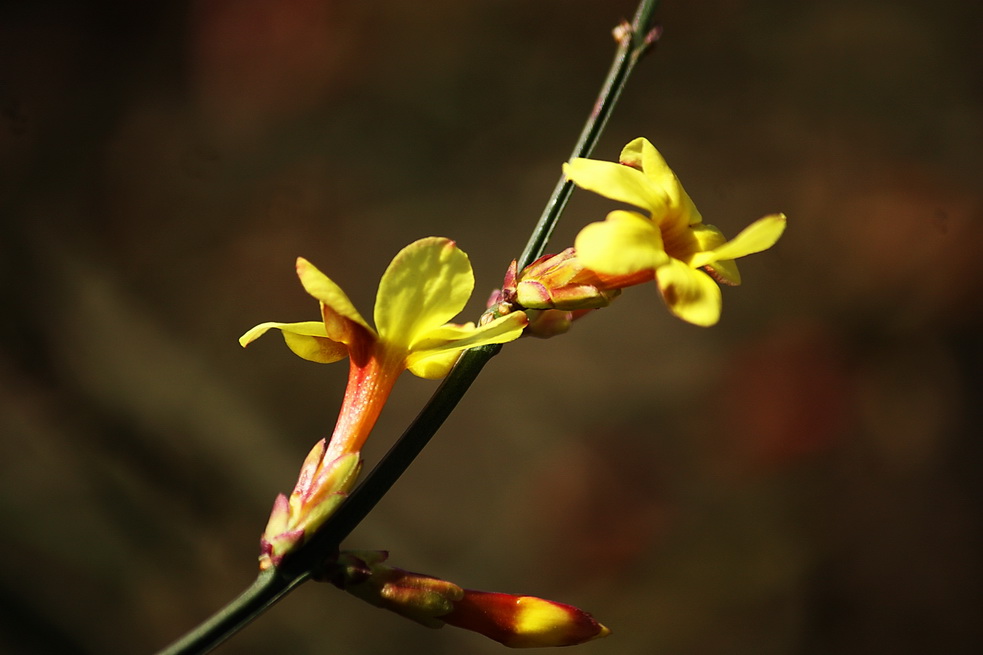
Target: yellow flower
{"type": "Point", "coordinates": [425, 285]}
{"type": "Point", "coordinates": [672, 241]}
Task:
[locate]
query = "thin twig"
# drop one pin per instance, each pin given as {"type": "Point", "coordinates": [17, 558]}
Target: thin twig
{"type": "Point", "coordinates": [266, 590]}
{"type": "Point", "coordinates": [634, 40]}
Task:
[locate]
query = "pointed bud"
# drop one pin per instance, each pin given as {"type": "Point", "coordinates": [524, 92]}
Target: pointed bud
{"type": "Point", "coordinates": [279, 537]}
{"type": "Point", "coordinates": [515, 621]}
{"type": "Point", "coordinates": [320, 488]}
{"type": "Point", "coordinates": [561, 282]}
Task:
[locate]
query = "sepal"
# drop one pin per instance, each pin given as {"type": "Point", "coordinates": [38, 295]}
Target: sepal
{"type": "Point", "coordinates": [418, 597]}
{"type": "Point", "coordinates": [561, 282]}
{"type": "Point", "coordinates": [320, 489]}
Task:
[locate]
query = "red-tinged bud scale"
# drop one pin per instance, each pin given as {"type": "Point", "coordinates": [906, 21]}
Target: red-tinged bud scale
{"type": "Point", "coordinates": [556, 290]}
{"type": "Point", "coordinates": [561, 282]}
{"type": "Point", "coordinates": [321, 486]}
{"type": "Point", "coordinates": [421, 598]}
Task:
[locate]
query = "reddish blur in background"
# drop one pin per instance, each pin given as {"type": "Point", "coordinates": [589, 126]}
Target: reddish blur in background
{"type": "Point", "coordinates": [803, 478]}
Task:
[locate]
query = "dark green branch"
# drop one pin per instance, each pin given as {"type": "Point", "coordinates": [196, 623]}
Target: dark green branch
{"type": "Point", "coordinates": [633, 41]}
{"type": "Point", "coordinates": [269, 587]}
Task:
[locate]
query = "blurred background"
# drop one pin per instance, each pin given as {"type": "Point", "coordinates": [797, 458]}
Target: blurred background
{"type": "Point", "coordinates": [803, 478]}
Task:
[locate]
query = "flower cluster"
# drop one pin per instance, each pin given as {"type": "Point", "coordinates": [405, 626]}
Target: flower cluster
{"type": "Point", "coordinates": [428, 283]}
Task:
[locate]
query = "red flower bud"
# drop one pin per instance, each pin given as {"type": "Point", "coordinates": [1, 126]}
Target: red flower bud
{"type": "Point", "coordinates": [515, 621]}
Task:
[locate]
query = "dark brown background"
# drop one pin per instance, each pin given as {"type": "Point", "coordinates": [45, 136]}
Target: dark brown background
{"type": "Point", "coordinates": [803, 478]}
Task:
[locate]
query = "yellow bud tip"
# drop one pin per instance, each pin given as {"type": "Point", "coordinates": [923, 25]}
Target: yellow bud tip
{"type": "Point", "coordinates": [524, 621]}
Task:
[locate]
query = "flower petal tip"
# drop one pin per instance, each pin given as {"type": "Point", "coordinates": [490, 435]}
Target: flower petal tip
{"type": "Point", "coordinates": [301, 265]}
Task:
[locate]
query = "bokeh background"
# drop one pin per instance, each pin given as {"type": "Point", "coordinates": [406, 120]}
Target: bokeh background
{"type": "Point", "coordinates": [803, 478]}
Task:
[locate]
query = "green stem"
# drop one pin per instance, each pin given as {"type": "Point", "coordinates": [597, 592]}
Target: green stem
{"type": "Point", "coordinates": [634, 40]}
{"type": "Point", "coordinates": [308, 560]}
{"type": "Point", "coordinates": [269, 587]}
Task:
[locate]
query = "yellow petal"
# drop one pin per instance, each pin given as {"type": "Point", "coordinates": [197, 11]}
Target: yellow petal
{"type": "Point", "coordinates": [308, 340]}
{"type": "Point", "coordinates": [426, 285]}
{"type": "Point", "coordinates": [685, 242]}
{"type": "Point", "coordinates": [337, 309]}
{"type": "Point", "coordinates": [433, 356]}
{"type": "Point", "coordinates": [707, 237]}
{"type": "Point", "coordinates": [624, 243]}
{"type": "Point", "coordinates": [433, 366]}
{"type": "Point", "coordinates": [641, 154]}
{"type": "Point", "coordinates": [617, 182]}
{"type": "Point", "coordinates": [725, 271]}
{"type": "Point", "coordinates": [697, 249]}
{"type": "Point", "coordinates": [680, 210]}
{"type": "Point", "coordinates": [690, 294]}
{"type": "Point", "coordinates": [759, 235]}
